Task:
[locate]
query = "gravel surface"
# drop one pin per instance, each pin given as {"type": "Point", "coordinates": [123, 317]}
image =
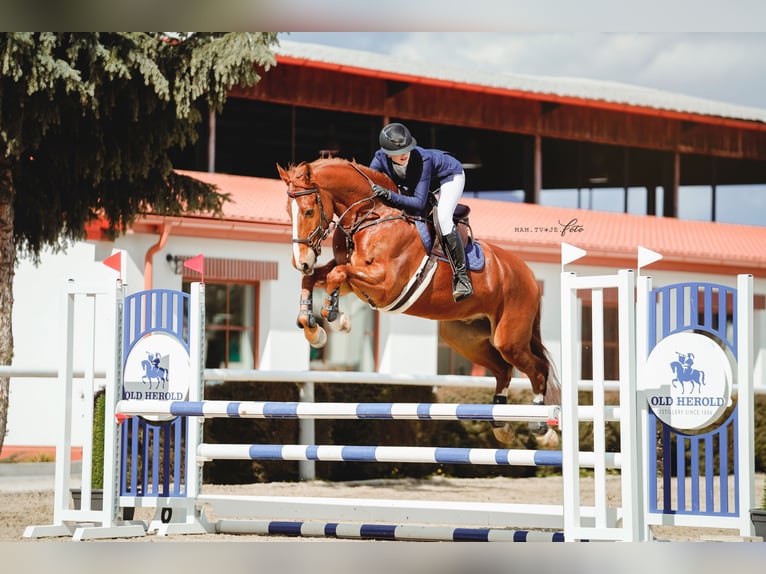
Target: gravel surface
{"type": "Point", "coordinates": [28, 500]}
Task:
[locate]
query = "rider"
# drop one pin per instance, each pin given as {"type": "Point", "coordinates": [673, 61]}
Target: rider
{"type": "Point", "coordinates": [412, 167]}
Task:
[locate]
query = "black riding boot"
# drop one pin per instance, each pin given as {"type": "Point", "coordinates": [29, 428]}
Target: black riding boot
{"type": "Point", "coordinates": [461, 283]}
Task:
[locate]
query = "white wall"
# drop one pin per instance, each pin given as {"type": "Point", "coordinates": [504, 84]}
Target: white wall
{"type": "Point", "coordinates": [407, 344]}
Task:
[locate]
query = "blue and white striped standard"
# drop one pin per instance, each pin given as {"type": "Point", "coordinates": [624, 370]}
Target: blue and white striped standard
{"type": "Point", "coordinates": [419, 454]}
{"type": "Point", "coordinates": [296, 410]}
{"type": "Point", "coordinates": [383, 531]}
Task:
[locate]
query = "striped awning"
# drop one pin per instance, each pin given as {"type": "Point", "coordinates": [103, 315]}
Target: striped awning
{"type": "Point", "coordinates": [224, 269]}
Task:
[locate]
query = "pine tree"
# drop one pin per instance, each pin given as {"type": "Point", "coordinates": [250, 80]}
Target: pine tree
{"type": "Point", "coordinates": [87, 125]}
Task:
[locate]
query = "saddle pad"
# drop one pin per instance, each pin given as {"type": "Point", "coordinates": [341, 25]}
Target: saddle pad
{"type": "Point", "coordinates": [474, 254]}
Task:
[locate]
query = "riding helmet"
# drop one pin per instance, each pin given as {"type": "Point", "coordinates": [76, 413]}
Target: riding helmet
{"type": "Point", "coordinates": [396, 139]}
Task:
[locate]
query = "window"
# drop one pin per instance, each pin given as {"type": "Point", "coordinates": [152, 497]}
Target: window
{"type": "Point", "coordinates": [230, 325]}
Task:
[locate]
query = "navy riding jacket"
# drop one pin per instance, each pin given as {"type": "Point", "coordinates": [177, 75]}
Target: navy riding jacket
{"type": "Point", "coordinates": [423, 166]}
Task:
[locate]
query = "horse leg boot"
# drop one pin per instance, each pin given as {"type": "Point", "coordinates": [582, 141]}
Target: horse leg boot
{"type": "Point", "coordinates": [314, 333]}
{"type": "Point", "coordinates": [330, 308]}
{"type": "Point", "coordinates": [461, 283]}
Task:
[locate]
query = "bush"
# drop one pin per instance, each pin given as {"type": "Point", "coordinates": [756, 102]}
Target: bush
{"type": "Point", "coordinates": [99, 407]}
{"type": "Point", "coordinates": [465, 434]}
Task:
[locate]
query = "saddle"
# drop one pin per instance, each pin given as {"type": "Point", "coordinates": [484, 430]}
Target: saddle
{"type": "Point", "coordinates": [474, 255]}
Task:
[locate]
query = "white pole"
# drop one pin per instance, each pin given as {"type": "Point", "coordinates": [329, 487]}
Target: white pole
{"type": "Point", "coordinates": [746, 421]}
{"type": "Point", "coordinates": [306, 433]}
{"type": "Point", "coordinates": [644, 286]}
{"type": "Point", "coordinates": [194, 431]}
{"type": "Point", "coordinates": [64, 443]}
{"type": "Point", "coordinates": [569, 416]}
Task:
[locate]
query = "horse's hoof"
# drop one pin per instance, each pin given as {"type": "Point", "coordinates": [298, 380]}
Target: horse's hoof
{"type": "Point", "coordinates": [548, 440]}
{"type": "Point", "coordinates": [320, 339]}
{"type": "Point", "coordinates": [504, 434]}
{"type": "Point", "coordinates": [538, 428]}
{"type": "Point", "coordinates": [342, 324]}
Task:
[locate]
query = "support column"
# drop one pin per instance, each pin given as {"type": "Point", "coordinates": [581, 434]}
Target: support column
{"type": "Point", "coordinates": [533, 180]}
{"type": "Point", "coordinates": [671, 185]}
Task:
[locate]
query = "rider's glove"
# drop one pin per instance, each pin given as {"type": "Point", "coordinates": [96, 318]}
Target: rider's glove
{"type": "Point", "coordinates": [381, 192]}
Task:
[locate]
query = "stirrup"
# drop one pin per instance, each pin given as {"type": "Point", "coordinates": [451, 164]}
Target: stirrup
{"type": "Point", "coordinates": [461, 289]}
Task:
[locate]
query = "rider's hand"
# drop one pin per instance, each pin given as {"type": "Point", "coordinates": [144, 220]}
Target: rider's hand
{"type": "Point", "coordinates": [381, 192]}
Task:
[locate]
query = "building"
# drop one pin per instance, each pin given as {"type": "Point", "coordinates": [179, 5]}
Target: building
{"type": "Point", "coordinates": [253, 291]}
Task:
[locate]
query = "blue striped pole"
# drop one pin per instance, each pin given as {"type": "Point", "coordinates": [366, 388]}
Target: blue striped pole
{"type": "Point", "coordinates": [437, 455]}
{"type": "Point", "coordinates": [383, 531]}
{"type": "Point", "coordinates": [297, 410]}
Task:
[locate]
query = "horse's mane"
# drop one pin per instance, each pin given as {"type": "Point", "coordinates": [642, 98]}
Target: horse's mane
{"type": "Point", "coordinates": [375, 176]}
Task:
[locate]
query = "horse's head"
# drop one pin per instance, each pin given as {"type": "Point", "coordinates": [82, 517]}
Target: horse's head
{"type": "Point", "coordinates": [310, 216]}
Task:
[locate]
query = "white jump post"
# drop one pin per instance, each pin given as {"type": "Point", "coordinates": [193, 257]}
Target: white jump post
{"type": "Point", "coordinates": [622, 522]}
{"type": "Point", "coordinates": [82, 306]}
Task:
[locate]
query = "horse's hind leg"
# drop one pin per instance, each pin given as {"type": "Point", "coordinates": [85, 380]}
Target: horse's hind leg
{"type": "Point", "coordinates": [472, 340]}
{"type": "Point", "coordinates": [522, 347]}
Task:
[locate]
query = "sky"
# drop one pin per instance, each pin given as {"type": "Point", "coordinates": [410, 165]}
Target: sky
{"type": "Point", "coordinates": [724, 66]}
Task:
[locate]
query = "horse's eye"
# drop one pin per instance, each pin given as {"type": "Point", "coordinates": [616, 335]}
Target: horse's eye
{"type": "Point", "coordinates": [309, 212]}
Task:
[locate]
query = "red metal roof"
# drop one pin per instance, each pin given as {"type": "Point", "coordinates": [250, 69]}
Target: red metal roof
{"type": "Point", "coordinates": [257, 210]}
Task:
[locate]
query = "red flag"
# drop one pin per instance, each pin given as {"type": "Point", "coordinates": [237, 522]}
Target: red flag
{"type": "Point", "coordinates": [197, 264]}
{"type": "Point", "coordinates": [115, 262]}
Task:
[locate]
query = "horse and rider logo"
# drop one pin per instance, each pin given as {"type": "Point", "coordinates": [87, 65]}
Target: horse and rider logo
{"type": "Point", "coordinates": [147, 368]}
{"type": "Point", "coordinates": [688, 379]}
{"type": "Point", "coordinates": [153, 371]}
{"type": "Point", "coordinates": [684, 372]}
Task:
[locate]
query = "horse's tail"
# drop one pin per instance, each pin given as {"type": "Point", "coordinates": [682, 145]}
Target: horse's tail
{"type": "Point", "coordinates": [553, 385]}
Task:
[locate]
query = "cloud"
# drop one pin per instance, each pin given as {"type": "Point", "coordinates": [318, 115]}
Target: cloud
{"type": "Point", "coordinates": [718, 66]}
{"type": "Point", "coordinates": [723, 67]}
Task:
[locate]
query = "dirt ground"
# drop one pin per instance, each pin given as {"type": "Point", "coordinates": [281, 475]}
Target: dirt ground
{"type": "Point", "coordinates": [21, 508]}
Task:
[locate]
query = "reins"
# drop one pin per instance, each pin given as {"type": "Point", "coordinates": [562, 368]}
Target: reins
{"type": "Point", "coordinates": [366, 220]}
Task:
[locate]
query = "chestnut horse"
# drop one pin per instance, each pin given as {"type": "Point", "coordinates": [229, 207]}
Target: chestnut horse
{"type": "Point", "coordinates": [378, 254]}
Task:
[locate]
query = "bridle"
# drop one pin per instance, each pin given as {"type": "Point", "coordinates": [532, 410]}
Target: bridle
{"type": "Point", "coordinates": [315, 238]}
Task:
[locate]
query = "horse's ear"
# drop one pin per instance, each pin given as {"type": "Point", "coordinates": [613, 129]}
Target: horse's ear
{"type": "Point", "coordinates": [283, 174]}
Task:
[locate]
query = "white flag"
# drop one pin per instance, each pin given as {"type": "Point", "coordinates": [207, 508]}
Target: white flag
{"type": "Point", "coordinates": [647, 256]}
{"type": "Point", "coordinates": [570, 253]}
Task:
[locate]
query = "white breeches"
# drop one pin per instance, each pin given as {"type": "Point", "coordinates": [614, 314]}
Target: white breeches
{"type": "Point", "coordinates": [450, 193]}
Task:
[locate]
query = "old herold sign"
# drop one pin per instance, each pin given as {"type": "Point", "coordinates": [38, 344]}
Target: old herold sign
{"type": "Point", "coordinates": [688, 381]}
{"type": "Point", "coordinates": [157, 368]}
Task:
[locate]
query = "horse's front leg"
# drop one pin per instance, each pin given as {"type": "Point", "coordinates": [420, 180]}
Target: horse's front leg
{"type": "Point", "coordinates": [338, 320]}
{"type": "Point", "coordinates": [314, 333]}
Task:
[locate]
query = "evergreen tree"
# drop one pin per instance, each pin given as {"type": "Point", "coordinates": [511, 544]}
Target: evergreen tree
{"type": "Point", "coordinates": [87, 123]}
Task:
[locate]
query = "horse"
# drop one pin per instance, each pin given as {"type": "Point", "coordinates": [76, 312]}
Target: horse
{"type": "Point", "coordinates": [683, 371]}
{"type": "Point", "coordinates": [378, 256]}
